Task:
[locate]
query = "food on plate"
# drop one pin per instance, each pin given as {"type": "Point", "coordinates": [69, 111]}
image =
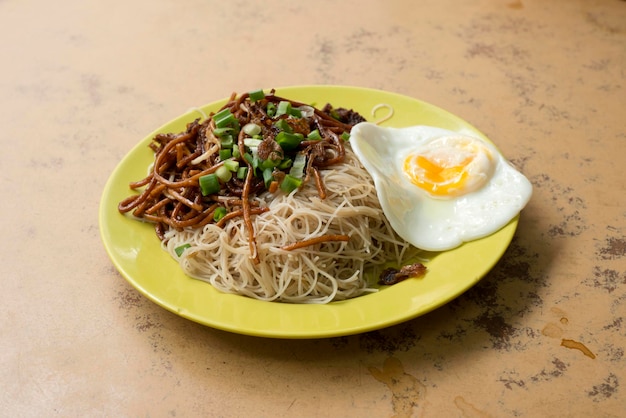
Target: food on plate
{"type": "Point", "coordinates": [392, 275]}
{"type": "Point", "coordinates": [440, 188]}
{"type": "Point", "coordinates": [265, 198]}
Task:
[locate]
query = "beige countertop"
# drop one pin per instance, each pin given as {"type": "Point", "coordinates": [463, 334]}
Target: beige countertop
{"type": "Point", "coordinates": [543, 334]}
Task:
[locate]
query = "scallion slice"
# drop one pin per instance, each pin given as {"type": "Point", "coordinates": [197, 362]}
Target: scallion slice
{"type": "Point", "coordinates": [256, 95]}
{"type": "Point", "coordinates": [181, 249]}
{"type": "Point", "coordinates": [283, 125]}
{"type": "Point", "coordinates": [222, 114]}
{"type": "Point", "coordinates": [219, 132]}
{"type": "Point", "coordinates": [251, 129]}
{"type": "Point", "coordinates": [271, 110]}
{"type": "Point", "coordinates": [252, 142]}
{"type": "Point", "coordinates": [241, 173]}
{"type": "Point", "coordinates": [225, 154]}
{"type": "Point", "coordinates": [219, 213]}
{"type": "Point", "coordinates": [227, 141]}
{"type": "Point", "coordinates": [268, 163]}
{"type": "Point", "coordinates": [297, 168]}
{"type": "Point", "coordinates": [224, 118]}
{"type": "Point", "coordinates": [288, 141]}
{"type": "Point", "coordinates": [284, 108]}
{"type": "Point", "coordinates": [231, 165]}
{"type": "Point", "coordinates": [314, 135]}
{"type": "Point", "coordinates": [223, 174]}
{"type": "Point", "coordinates": [295, 112]}
{"type": "Point", "coordinates": [256, 161]}
{"type": "Point", "coordinates": [268, 177]}
{"type": "Point", "coordinates": [290, 183]}
{"type": "Point", "coordinates": [209, 184]}
{"type": "Point", "coordinates": [284, 164]}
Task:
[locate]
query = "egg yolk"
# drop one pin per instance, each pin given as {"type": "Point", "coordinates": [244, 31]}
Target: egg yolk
{"type": "Point", "coordinates": [449, 167]}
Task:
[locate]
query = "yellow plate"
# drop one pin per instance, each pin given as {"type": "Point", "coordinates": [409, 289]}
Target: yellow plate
{"type": "Point", "coordinates": [135, 251]}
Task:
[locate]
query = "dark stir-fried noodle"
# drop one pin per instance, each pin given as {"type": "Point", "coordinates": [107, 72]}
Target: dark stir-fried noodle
{"type": "Point", "coordinates": [261, 140]}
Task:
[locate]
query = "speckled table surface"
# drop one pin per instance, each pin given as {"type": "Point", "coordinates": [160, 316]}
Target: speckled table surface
{"type": "Point", "coordinates": [543, 334]}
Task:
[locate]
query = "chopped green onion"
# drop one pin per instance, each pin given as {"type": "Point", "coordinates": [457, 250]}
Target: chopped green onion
{"type": "Point", "coordinates": [288, 141]}
{"type": "Point", "coordinates": [225, 154]}
{"type": "Point", "coordinates": [284, 108]}
{"type": "Point", "coordinates": [219, 213]}
{"type": "Point", "coordinates": [256, 95]}
{"type": "Point", "coordinates": [251, 129]}
{"type": "Point", "coordinates": [209, 184]}
{"type": "Point", "coordinates": [236, 152]}
{"type": "Point", "coordinates": [268, 177]}
{"type": "Point", "coordinates": [295, 112]}
{"type": "Point", "coordinates": [224, 118]}
{"type": "Point", "coordinates": [345, 136]}
{"type": "Point", "coordinates": [256, 161]}
{"type": "Point", "coordinates": [222, 114]}
{"type": "Point", "coordinates": [252, 142]}
{"type": "Point", "coordinates": [271, 110]}
{"type": "Point", "coordinates": [181, 249]}
{"type": "Point", "coordinates": [223, 174]}
{"type": "Point", "coordinates": [248, 157]}
{"type": "Point", "coordinates": [241, 173]}
{"type": "Point", "coordinates": [314, 135]}
{"type": "Point", "coordinates": [231, 165]}
{"type": "Point", "coordinates": [227, 141]}
{"type": "Point", "coordinates": [286, 163]}
{"type": "Point", "coordinates": [290, 183]}
{"type": "Point", "coordinates": [219, 132]}
{"type": "Point", "coordinates": [268, 163]}
{"type": "Point", "coordinates": [283, 125]}
{"type": "Point", "coordinates": [297, 168]}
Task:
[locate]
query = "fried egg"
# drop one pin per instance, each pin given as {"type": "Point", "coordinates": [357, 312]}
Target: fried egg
{"type": "Point", "coordinates": [440, 188]}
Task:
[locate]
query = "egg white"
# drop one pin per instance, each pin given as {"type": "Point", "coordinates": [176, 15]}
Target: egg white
{"type": "Point", "coordinates": [431, 222]}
